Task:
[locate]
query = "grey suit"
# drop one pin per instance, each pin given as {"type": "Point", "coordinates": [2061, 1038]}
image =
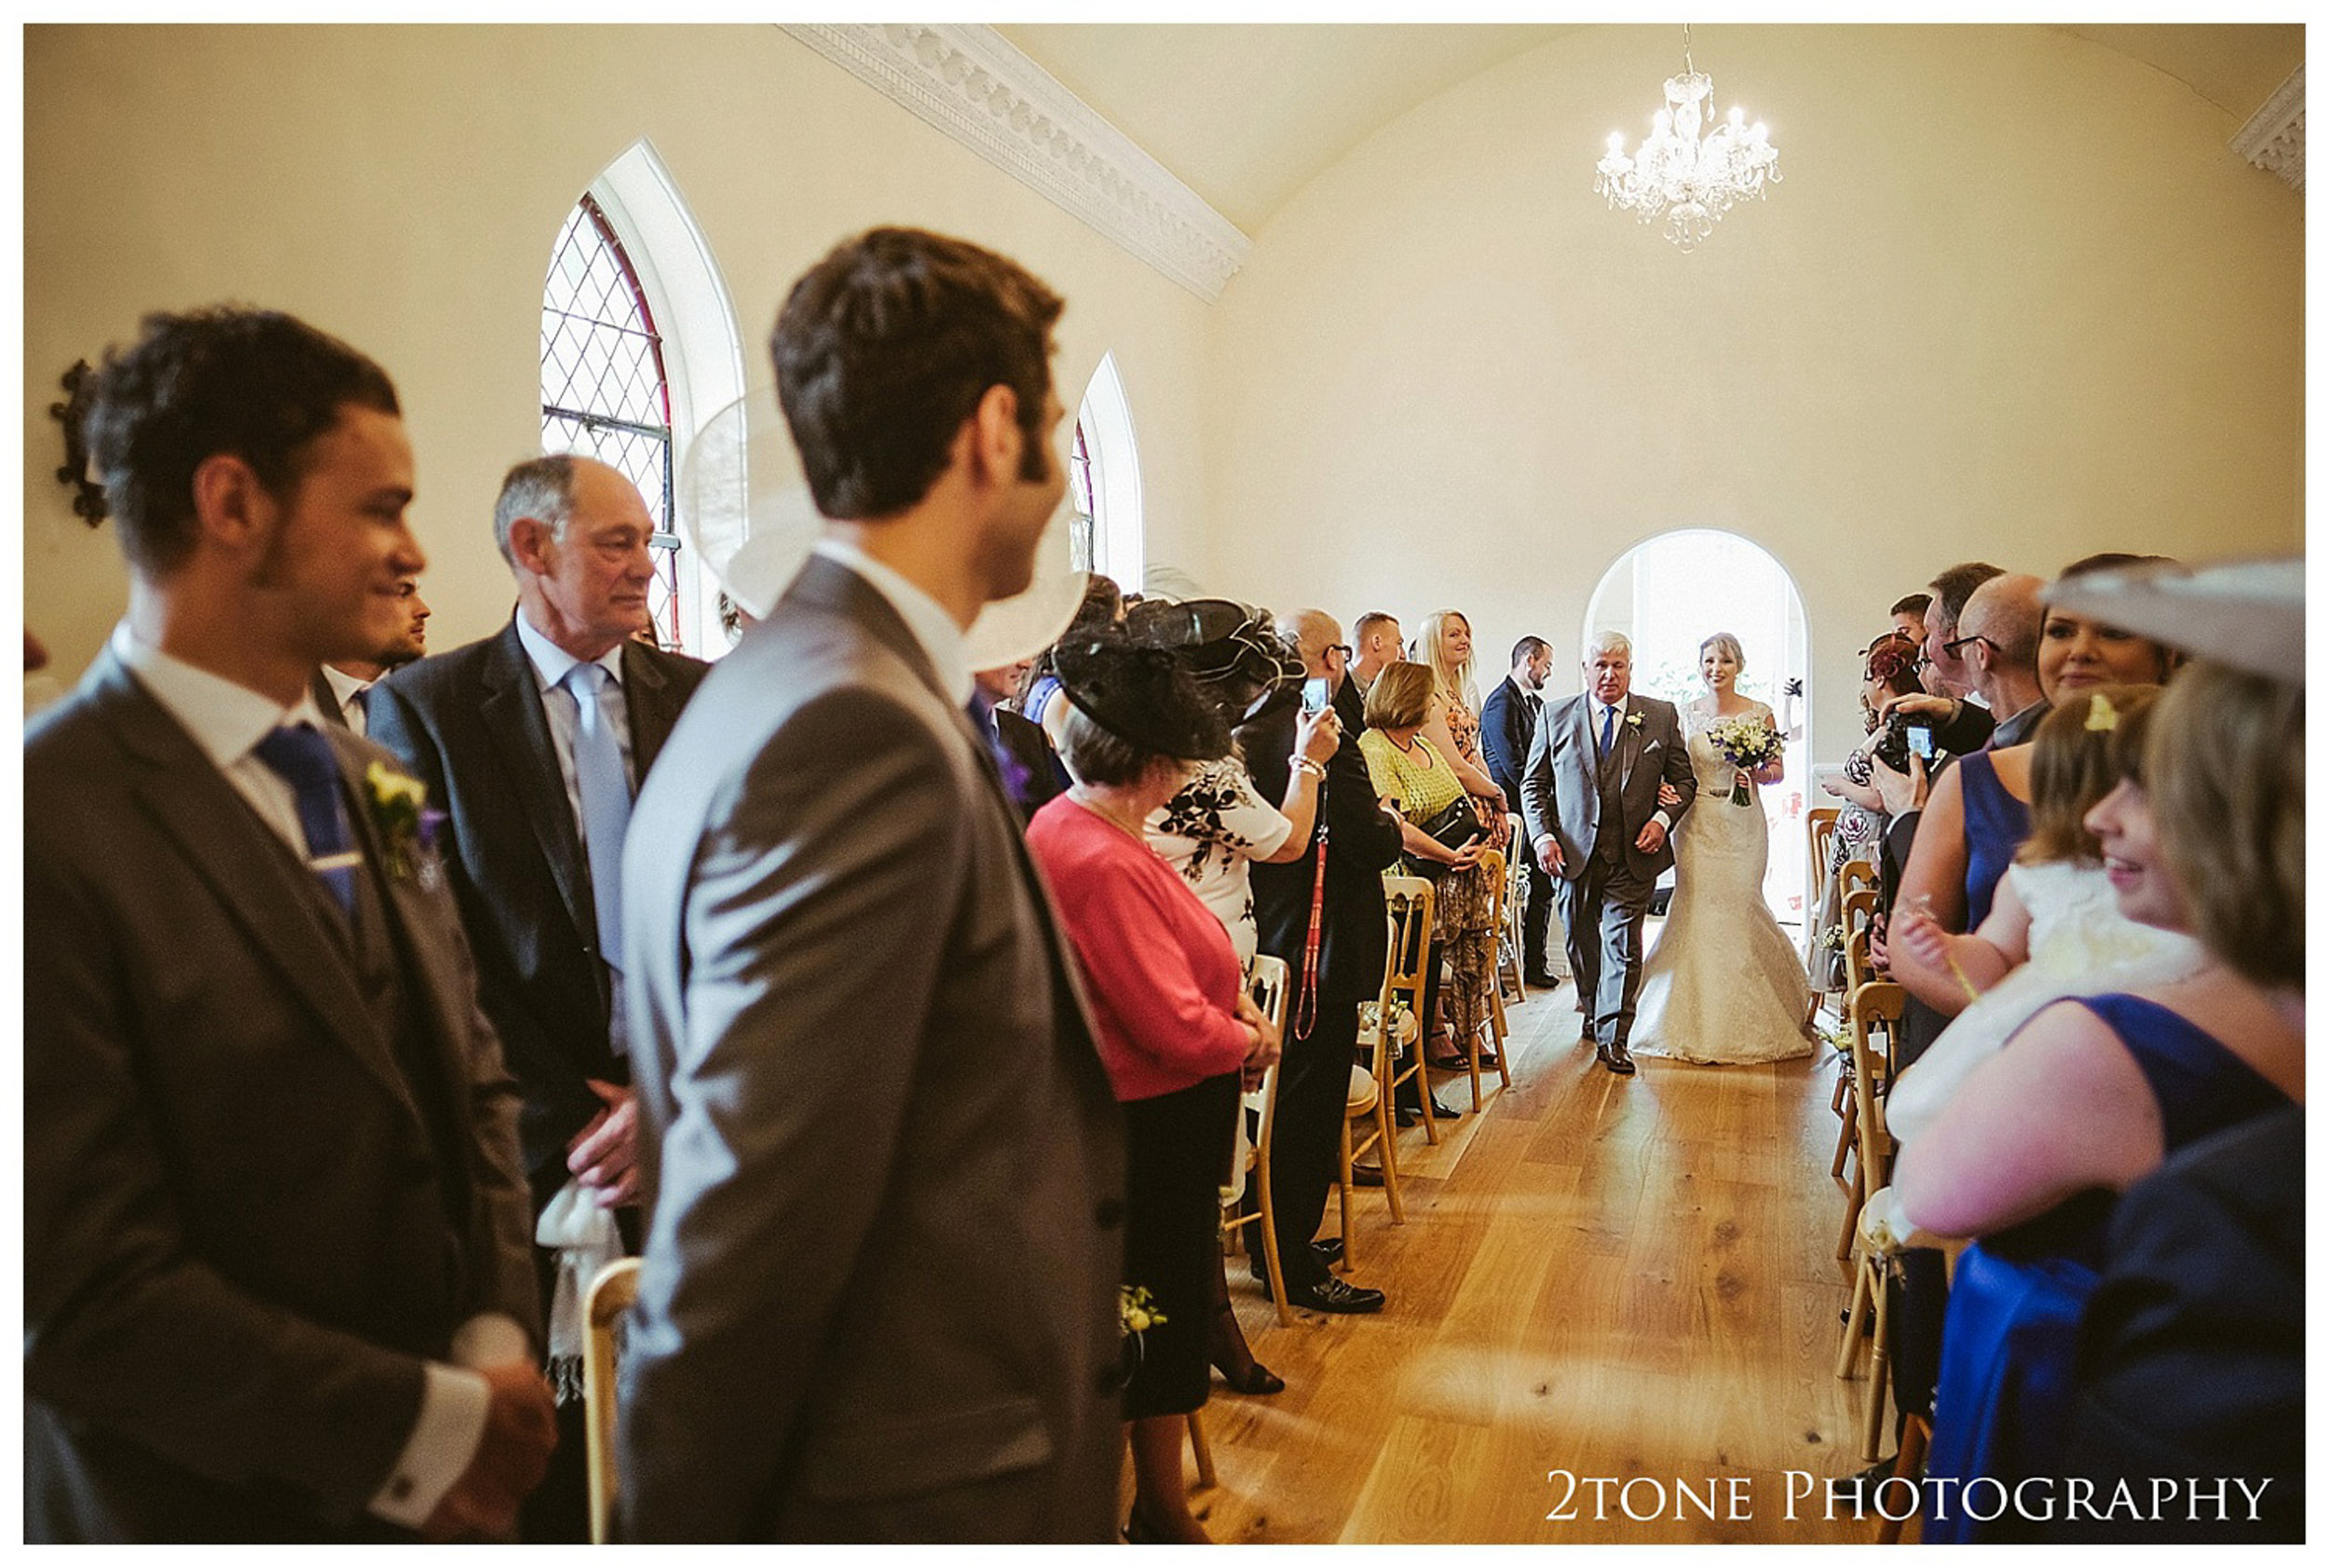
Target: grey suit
{"type": "Point", "coordinates": [270, 1166]}
{"type": "Point", "coordinates": [1596, 805]}
{"type": "Point", "coordinates": [884, 1166]}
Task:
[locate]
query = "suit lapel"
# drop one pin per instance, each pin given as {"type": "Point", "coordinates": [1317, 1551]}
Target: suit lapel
{"type": "Point", "coordinates": [512, 711]}
{"type": "Point", "coordinates": [327, 700]}
{"type": "Point", "coordinates": [1629, 741]}
{"type": "Point", "coordinates": [262, 887]}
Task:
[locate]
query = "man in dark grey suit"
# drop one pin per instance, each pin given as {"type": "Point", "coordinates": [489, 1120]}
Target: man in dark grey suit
{"type": "Point", "coordinates": [343, 688]}
{"type": "Point", "coordinates": [884, 1167]}
{"type": "Point", "coordinates": [1509, 717]}
{"type": "Point", "coordinates": [275, 1284]}
{"type": "Point", "coordinates": [1591, 796]}
{"type": "Point", "coordinates": [499, 733]}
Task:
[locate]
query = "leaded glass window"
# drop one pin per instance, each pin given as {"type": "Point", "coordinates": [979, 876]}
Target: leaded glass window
{"type": "Point", "coordinates": [604, 391]}
{"type": "Point", "coordinates": [1081, 528]}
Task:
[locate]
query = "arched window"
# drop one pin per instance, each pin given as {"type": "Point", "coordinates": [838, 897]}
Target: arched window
{"type": "Point", "coordinates": [639, 351]}
{"type": "Point", "coordinates": [1103, 481]}
{"type": "Point", "coordinates": [604, 390]}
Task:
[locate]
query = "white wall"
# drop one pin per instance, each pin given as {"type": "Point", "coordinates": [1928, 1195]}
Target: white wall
{"type": "Point", "coordinates": [2015, 299]}
{"type": "Point", "coordinates": [401, 187]}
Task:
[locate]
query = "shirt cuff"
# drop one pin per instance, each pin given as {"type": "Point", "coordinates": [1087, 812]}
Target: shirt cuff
{"type": "Point", "coordinates": [491, 1338]}
{"type": "Point", "coordinates": [1662, 820]}
{"type": "Point", "coordinates": [453, 1406]}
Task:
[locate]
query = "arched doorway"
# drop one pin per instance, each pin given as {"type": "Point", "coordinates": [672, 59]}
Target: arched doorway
{"type": "Point", "coordinates": [1670, 592]}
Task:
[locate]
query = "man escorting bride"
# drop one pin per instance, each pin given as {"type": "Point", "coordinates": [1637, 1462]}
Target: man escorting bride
{"type": "Point", "coordinates": [1723, 984]}
{"type": "Point", "coordinates": [1591, 797]}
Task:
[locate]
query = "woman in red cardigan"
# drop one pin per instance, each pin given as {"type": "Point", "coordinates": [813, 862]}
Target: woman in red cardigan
{"type": "Point", "coordinates": [1175, 1027]}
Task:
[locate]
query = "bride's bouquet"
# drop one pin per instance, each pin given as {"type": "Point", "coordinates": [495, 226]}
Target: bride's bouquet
{"type": "Point", "coordinates": [1747, 743]}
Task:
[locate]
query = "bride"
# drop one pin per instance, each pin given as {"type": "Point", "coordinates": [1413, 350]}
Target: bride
{"type": "Point", "coordinates": [1723, 983]}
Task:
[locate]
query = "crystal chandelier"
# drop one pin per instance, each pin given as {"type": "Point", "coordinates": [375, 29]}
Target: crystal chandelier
{"type": "Point", "coordinates": [1689, 180]}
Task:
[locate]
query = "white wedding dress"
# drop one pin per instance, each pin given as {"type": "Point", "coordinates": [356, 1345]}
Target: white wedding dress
{"type": "Point", "coordinates": [1723, 984]}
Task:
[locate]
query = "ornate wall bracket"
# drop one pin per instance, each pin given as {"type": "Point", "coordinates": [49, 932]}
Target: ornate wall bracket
{"type": "Point", "coordinates": [2274, 137]}
{"type": "Point", "coordinates": [972, 83]}
{"type": "Point", "coordinates": [89, 498]}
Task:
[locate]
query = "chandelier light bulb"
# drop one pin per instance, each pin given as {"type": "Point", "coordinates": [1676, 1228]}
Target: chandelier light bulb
{"type": "Point", "coordinates": [1687, 178]}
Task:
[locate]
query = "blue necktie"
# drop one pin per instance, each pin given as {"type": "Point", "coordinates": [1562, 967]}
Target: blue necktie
{"type": "Point", "coordinates": [606, 793]}
{"type": "Point", "coordinates": [1609, 728]}
{"type": "Point", "coordinates": [301, 759]}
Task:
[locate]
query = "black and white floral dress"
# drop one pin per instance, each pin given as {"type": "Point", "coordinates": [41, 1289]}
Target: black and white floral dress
{"type": "Point", "coordinates": [1210, 833]}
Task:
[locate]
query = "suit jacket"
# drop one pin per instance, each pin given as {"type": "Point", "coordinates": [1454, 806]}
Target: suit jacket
{"type": "Point", "coordinates": [1362, 841]}
{"type": "Point", "coordinates": [1507, 727]}
{"type": "Point", "coordinates": [1560, 791]}
{"type": "Point", "coordinates": [884, 1166]}
{"type": "Point", "coordinates": [1030, 748]}
{"type": "Point", "coordinates": [470, 725]}
{"type": "Point", "coordinates": [327, 700]}
{"type": "Point", "coordinates": [240, 1247]}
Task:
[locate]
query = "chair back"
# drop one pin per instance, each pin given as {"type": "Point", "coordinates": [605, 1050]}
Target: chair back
{"type": "Point", "coordinates": [604, 1304]}
{"type": "Point", "coordinates": [1874, 1012]}
{"type": "Point", "coordinates": [1267, 982]}
{"type": "Point", "coordinates": [1819, 825]}
{"type": "Point", "coordinates": [1854, 875]}
{"type": "Point", "coordinates": [1857, 911]}
{"type": "Point", "coordinates": [1857, 970]}
{"type": "Point", "coordinates": [1406, 907]}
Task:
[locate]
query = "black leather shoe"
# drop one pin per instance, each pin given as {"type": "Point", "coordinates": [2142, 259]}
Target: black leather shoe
{"type": "Point", "coordinates": [1615, 1058]}
{"type": "Point", "coordinates": [1335, 1295]}
{"type": "Point", "coordinates": [1545, 982]}
{"type": "Point", "coordinates": [1330, 1249]}
{"type": "Point", "coordinates": [1366, 1175]}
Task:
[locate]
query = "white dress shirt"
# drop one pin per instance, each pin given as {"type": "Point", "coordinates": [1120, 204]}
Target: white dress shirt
{"type": "Point", "coordinates": [346, 689]}
{"type": "Point", "coordinates": [227, 721]}
{"type": "Point", "coordinates": [925, 617]}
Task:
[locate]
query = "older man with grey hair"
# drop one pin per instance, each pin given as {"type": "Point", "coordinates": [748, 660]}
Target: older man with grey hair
{"type": "Point", "coordinates": [536, 741]}
{"type": "Point", "coordinates": [1591, 795]}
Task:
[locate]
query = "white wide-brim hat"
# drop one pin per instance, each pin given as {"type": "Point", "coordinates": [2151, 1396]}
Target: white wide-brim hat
{"type": "Point", "coordinates": [2247, 614]}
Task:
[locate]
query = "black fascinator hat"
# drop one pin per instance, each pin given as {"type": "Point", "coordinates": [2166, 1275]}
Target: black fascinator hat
{"type": "Point", "coordinates": [1231, 648]}
{"type": "Point", "coordinates": [1146, 697]}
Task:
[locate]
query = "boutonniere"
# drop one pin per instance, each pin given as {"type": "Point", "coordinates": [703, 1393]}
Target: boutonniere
{"type": "Point", "coordinates": [1634, 718]}
{"type": "Point", "coordinates": [406, 823]}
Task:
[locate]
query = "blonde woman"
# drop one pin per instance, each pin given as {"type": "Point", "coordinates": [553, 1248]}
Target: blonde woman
{"type": "Point", "coordinates": [1445, 645]}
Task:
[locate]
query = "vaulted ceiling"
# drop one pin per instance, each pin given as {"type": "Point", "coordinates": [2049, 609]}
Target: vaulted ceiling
{"type": "Point", "coordinates": [1247, 115]}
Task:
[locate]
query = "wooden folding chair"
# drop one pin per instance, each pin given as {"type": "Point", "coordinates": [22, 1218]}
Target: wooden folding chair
{"type": "Point", "coordinates": [1512, 929]}
{"type": "Point", "coordinates": [1876, 1007]}
{"type": "Point", "coordinates": [1820, 829]}
{"type": "Point", "coordinates": [604, 1304]}
{"type": "Point", "coordinates": [1408, 908]}
{"type": "Point", "coordinates": [1267, 981]}
{"type": "Point", "coordinates": [1406, 980]}
{"type": "Point", "coordinates": [1492, 867]}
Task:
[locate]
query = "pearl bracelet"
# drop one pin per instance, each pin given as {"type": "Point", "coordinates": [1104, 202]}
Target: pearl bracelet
{"type": "Point", "coordinates": [1302, 764]}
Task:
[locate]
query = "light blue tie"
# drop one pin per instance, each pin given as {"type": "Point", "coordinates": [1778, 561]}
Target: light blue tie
{"type": "Point", "coordinates": [606, 793]}
{"type": "Point", "coordinates": [1609, 728]}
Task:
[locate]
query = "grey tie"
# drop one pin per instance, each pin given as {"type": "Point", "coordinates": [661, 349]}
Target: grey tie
{"type": "Point", "coordinates": [606, 793]}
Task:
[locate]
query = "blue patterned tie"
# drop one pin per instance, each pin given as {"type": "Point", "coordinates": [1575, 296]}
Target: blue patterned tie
{"type": "Point", "coordinates": [1609, 727]}
{"type": "Point", "coordinates": [606, 793]}
{"type": "Point", "coordinates": [301, 759]}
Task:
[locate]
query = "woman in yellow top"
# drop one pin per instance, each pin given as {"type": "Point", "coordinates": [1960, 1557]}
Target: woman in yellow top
{"type": "Point", "coordinates": [1416, 776]}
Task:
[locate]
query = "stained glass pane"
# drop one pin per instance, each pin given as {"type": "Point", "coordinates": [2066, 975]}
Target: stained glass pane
{"type": "Point", "coordinates": [1081, 542]}
{"type": "Point", "coordinates": [604, 389]}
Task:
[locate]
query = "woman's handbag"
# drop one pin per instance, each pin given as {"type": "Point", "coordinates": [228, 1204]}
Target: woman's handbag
{"type": "Point", "coordinates": [1456, 826]}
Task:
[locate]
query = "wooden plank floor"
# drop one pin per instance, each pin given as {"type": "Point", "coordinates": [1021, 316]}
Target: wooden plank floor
{"type": "Point", "coordinates": [1619, 1278]}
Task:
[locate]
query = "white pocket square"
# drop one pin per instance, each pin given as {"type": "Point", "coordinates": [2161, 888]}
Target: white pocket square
{"type": "Point", "coordinates": [1653, 745]}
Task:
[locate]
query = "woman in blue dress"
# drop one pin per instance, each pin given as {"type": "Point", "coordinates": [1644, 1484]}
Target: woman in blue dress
{"type": "Point", "coordinates": [2030, 1153]}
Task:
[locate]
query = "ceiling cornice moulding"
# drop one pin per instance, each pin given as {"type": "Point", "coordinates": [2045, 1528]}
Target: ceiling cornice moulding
{"type": "Point", "coordinates": [972, 83]}
{"type": "Point", "coordinates": [2274, 137]}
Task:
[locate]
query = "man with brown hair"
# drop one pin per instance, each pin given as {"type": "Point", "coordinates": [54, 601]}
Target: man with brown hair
{"type": "Point", "coordinates": [276, 1285]}
{"type": "Point", "coordinates": [884, 1168]}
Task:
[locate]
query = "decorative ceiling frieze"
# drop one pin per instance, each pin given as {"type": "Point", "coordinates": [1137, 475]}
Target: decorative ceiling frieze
{"type": "Point", "coordinates": [2274, 137]}
{"type": "Point", "coordinates": [969, 83]}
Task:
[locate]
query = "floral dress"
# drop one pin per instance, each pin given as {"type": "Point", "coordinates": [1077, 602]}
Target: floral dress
{"type": "Point", "coordinates": [1860, 834]}
{"type": "Point", "coordinates": [1464, 902]}
{"type": "Point", "coordinates": [1464, 726]}
{"type": "Point", "coordinates": [1211, 832]}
